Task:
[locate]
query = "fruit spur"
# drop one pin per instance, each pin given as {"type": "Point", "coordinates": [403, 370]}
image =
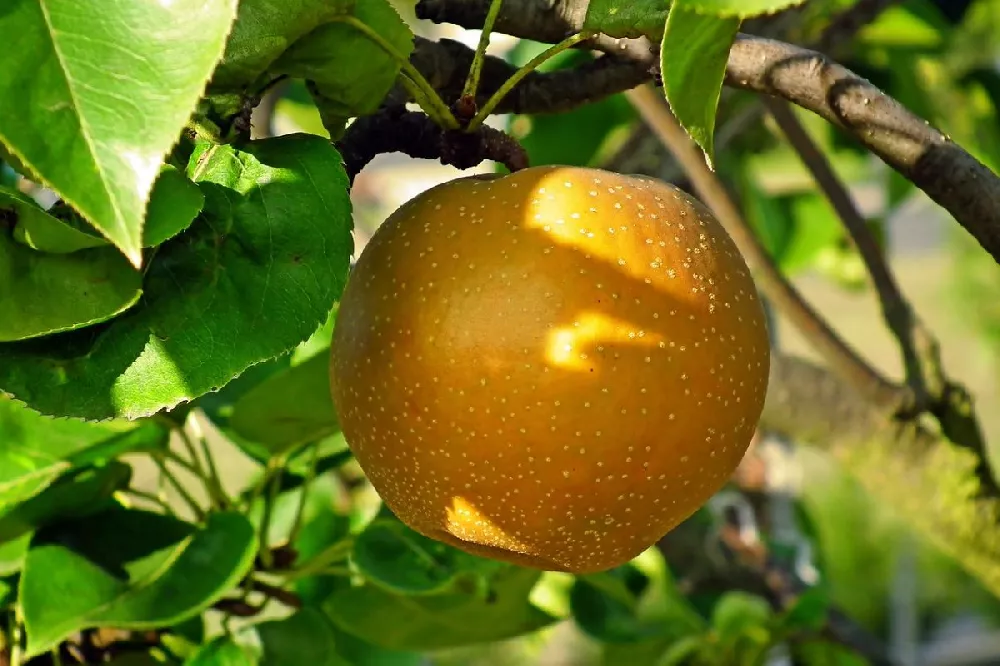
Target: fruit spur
{"type": "Point", "coordinates": [553, 367]}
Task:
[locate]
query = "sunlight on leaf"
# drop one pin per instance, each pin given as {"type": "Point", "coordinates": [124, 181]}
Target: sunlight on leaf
{"type": "Point", "coordinates": [113, 87]}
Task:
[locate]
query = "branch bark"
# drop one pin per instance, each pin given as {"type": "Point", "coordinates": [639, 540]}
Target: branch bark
{"type": "Point", "coordinates": [948, 174]}
{"type": "Point", "coordinates": [920, 351]}
{"type": "Point", "coordinates": [932, 484]}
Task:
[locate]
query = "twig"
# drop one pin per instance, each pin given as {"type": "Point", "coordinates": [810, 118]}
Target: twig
{"type": "Point", "coordinates": [289, 599]}
{"type": "Point", "coordinates": [920, 351]}
{"type": "Point", "coordinates": [300, 508]}
{"type": "Point", "coordinates": [413, 133]}
{"type": "Point", "coordinates": [775, 286]}
{"type": "Point", "coordinates": [213, 481]}
{"type": "Point", "coordinates": [182, 492]}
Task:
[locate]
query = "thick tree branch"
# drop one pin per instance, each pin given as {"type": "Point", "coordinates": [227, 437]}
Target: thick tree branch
{"type": "Point", "coordinates": [930, 483]}
{"type": "Point", "coordinates": [947, 173]}
{"type": "Point", "coordinates": [768, 276]}
{"type": "Point", "coordinates": [943, 170]}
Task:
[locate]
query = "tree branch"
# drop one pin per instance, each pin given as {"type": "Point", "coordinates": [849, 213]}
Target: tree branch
{"type": "Point", "coordinates": [413, 133]}
{"type": "Point", "coordinates": [768, 276]}
{"type": "Point", "coordinates": [920, 351]}
{"type": "Point", "coordinates": [948, 174]}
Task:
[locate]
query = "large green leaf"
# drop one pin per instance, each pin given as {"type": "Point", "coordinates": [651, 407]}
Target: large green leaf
{"type": "Point", "coordinates": [36, 449]}
{"type": "Point", "coordinates": [92, 97]}
{"type": "Point", "coordinates": [289, 408]}
{"type": "Point", "coordinates": [263, 30]}
{"type": "Point", "coordinates": [693, 56]}
{"type": "Point", "coordinates": [430, 622]}
{"type": "Point", "coordinates": [128, 569]}
{"type": "Point", "coordinates": [351, 73]}
{"type": "Point", "coordinates": [255, 275]}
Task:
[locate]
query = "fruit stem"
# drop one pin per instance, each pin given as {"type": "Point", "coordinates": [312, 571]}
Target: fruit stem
{"type": "Point", "coordinates": [519, 75]}
{"type": "Point", "coordinates": [414, 82]}
{"type": "Point", "coordinates": [472, 81]}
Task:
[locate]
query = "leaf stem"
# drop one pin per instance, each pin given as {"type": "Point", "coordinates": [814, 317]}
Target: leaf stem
{"type": "Point", "coordinates": [476, 68]}
{"type": "Point", "coordinates": [323, 560]}
{"type": "Point", "coordinates": [519, 75]}
{"type": "Point", "coordinates": [422, 90]}
{"type": "Point", "coordinates": [214, 481]}
{"type": "Point", "coordinates": [182, 492]}
{"type": "Point", "coordinates": [293, 533]}
{"type": "Point", "coordinates": [150, 497]}
{"type": "Point", "coordinates": [275, 466]}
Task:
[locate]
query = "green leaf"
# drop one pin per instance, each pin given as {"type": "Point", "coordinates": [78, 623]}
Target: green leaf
{"type": "Point", "coordinates": [431, 622]}
{"type": "Point", "coordinates": [43, 293]}
{"type": "Point", "coordinates": [35, 449]}
{"type": "Point", "coordinates": [304, 638]}
{"type": "Point", "coordinates": [12, 554]}
{"type": "Point", "coordinates": [91, 100]}
{"type": "Point", "coordinates": [681, 651]}
{"type": "Point", "coordinates": [173, 206]}
{"type": "Point", "coordinates": [47, 231]}
{"type": "Point", "coordinates": [78, 494]}
{"type": "Point", "coordinates": [263, 30]}
{"type": "Point", "coordinates": [604, 606]}
{"type": "Point", "coordinates": [128, 569]}
{"type": "Point", "coordinates": [362, 653]}
{"type": "Point", "coordinates": [627, 18]}
{"type": "Point", "coordinates": [8, 593]}
{"type": "Point", "coordinates": [736, 612]}
{"type": "Point", "coordinates": [255, 275]}
{"type": "Point", "coordinates": [350, 71]}
{"type": "Point", "coordinates": [289, 408]}
{"type": "Point", "coordinates": [693, 56]}
{"type": "Point", "coordinates": [222, 651]}
{"type": "Point", "coordinates": [737, 8]}
{"type": "Point", "coordinates": [391, 555]}
{"type": "Point", "coordinates": [809, 611]}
